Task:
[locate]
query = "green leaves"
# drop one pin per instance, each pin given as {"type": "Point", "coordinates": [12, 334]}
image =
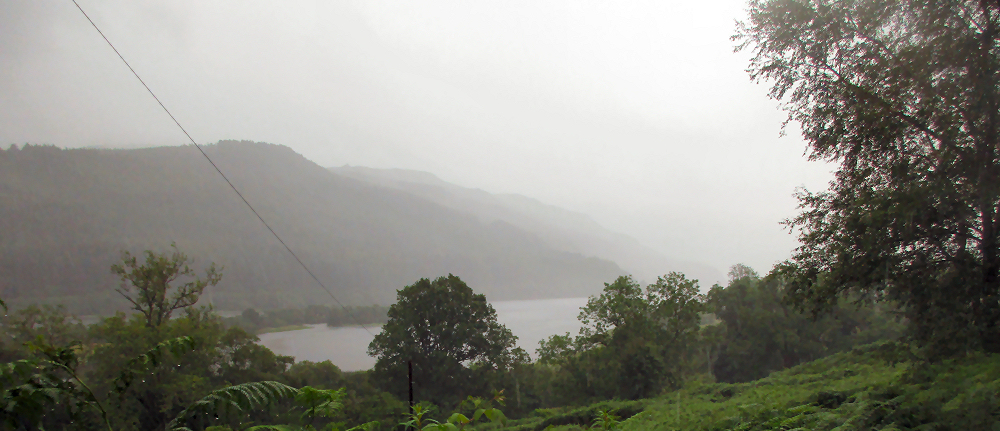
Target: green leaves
{"type": "Point", "coordinates": [764, 334]}
{"type": "Point", "coordinates": [235, 399]}
{"type": "Point", "coordinates": [416, 416]}
{"type": "Point", "coordinates": [903, 96]}
{"type": "Point", "coordinates": [151, 359]}
{"type": "Point", "coordinates": [605, 419]}
{"type": "Point", "coordinates": [238, 400]}
{"type": "Point", "coordinates": [641, 336]}
{"type": "Point", "coordinates": [153, 280]}
{"type": "Point", "coordinates": [672, 305]}
{"type": "Point", "coordinates": [369, 426]}
{"type": "Point", "coordinates": [457, 420]}
{"type": "Point", "coordinates": [31, 388]}
{"type": "Point", "coordinates": [28, 392]}
{"type": "Point", "coordinates": [319, 403]}
{"type": "Point", "coordinates": [493, 414]}
{"type": "Point", "coordinates": [451, 336]}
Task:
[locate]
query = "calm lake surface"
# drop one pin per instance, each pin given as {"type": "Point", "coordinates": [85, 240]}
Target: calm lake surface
{"type": "Point", "coordinates": [530, 321]}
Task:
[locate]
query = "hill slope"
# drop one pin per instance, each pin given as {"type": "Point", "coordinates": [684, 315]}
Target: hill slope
{"type": "Point", "coordinates": [561, 229]}
{"type": "Point", "coordinates": [67, 213]}
{"type": "Point", "coordinates": [868, 388]}
{"type": "Point", "coordinates": [863, 389]}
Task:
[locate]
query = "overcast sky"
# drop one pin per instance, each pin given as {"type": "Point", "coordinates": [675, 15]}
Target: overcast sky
{"type": "Point", "coordinates": [637, 113]}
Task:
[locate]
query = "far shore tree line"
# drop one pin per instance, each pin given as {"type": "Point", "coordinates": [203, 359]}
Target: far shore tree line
{"type": "Point", "coordinates": [257, 322]}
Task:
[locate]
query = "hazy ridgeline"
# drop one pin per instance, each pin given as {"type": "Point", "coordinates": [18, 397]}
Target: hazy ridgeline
{"type": "Point", "coordinates": [68, 213]}
{"type": "Point", "coordinates": [560, 228]}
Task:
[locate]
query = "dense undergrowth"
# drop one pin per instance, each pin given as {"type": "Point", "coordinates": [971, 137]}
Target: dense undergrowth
{"type": "Point", "coordinates": [869, 388]}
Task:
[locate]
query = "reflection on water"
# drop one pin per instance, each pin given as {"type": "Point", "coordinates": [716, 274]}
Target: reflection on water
{"type": "Point", "coordinates": [346, 347]}
{"type": "Point", "coordinates": [530, 321]}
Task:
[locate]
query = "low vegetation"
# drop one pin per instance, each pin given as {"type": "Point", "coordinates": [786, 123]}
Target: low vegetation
{"type": "Point", "coordinates": [871, 387]}
{"type": "Point", "coordinates": [636, 344]}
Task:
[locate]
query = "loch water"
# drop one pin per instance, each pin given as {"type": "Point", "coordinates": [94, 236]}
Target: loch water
{"type": "Point", "coordinates": [346, 347]}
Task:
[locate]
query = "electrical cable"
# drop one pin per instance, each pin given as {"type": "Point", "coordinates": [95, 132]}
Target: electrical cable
{"type": "Point", "coordinates": [302, 264]}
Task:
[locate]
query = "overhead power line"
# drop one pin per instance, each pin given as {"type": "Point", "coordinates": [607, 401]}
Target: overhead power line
{"type": "Point", "coordinates": [203, 153]}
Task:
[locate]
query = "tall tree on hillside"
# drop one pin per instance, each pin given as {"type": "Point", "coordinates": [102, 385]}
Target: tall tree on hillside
{"type": "Point", "coordinates": [148, 286]}
{"type": "Point", "coordinates": [903, 95]}
{"type": "Point", "coordinates": [645, 334]}
{"type": "Point", "coordinates": [452, 337]}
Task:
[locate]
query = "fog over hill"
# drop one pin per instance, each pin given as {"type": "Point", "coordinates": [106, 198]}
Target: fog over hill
{"type": "Point", "coordinates": [560, 228]}
{"type": "Point", "coordinates": [66, 215]}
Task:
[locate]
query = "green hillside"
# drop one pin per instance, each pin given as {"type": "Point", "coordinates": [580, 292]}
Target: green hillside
{"type": "Point", "coordinates": [67, 214]}
{"type": "Point", "coordinates": [868, 388]}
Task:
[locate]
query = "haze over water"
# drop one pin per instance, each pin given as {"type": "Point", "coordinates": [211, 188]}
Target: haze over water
{"type": "Point", "coordinates": [531, 321]}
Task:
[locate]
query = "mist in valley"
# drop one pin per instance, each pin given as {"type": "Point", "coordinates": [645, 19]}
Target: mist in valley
{"type": "Point", "coordinates": [639, 117]}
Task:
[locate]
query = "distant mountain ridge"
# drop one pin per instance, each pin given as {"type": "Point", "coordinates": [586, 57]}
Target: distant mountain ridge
{"type": "Point", "coordinates": [560, 228]}
{"type": "Point", "coordinates": [66, 214]}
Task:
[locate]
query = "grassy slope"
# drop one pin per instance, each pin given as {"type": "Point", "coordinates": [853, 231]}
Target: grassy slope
{"type": "Point", "coordinates": [849, 391]}
{"type": "Point", "coordinates": [857, 390]}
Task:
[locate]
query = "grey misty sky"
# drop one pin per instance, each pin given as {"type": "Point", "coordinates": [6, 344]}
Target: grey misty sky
{"type": "Point", "coordinates": [637, 113]}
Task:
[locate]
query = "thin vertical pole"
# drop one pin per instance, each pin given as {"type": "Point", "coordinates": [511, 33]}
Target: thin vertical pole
{"type": "Point", "coordinates": [517, 389]}
{"type": "Point", "coordinates": [409, 366]}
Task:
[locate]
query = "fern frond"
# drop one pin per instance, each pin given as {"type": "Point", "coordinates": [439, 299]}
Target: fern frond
{"type": "Point", "coordinates": [27, 390]}
{"type": "Point", "coordinates": [320, 402]}
{"type": "Point", "coordinates": [274, 428]}
{"type": "Point", "coordinates": [238, 398]}
{"type": "Point", "coordinates": [370, 426]}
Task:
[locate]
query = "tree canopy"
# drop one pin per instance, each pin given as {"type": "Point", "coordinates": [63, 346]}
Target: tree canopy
{"type": "Point", "coordinates": [633, 343]}
{"type": "Point", "coordinates": [452, 337]}
{"type": "Point", "coordinates": [903, 96]}
{"type": "Point", "coordinates": [147, 286]}
{"type": "Point", "coordinates": [649, 332]}
{"type": "Point", "coordinates": [762, 333]}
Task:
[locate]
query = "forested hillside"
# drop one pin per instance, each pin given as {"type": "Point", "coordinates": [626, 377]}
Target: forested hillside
{"type": "Point", "coordinates": [67, 214]}
{"type": "Point", "coordinates": [560, 228]}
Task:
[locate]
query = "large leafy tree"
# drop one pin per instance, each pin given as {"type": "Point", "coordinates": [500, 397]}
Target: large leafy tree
{"type": "Point", "coordinates": [634, 341]}
{"type": "Point", "coordinates": [452, 337]}
{"type": "Point", "coordinates": [646, 333]}
{"type": "Point", "coordinates": [158, 394]}
{"type": "Point", "coordinates": [903, 95]}
{"type": "Point", "coordinates": [158, 288]}
{"type": "Point", "coordinates": [164, 283]}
